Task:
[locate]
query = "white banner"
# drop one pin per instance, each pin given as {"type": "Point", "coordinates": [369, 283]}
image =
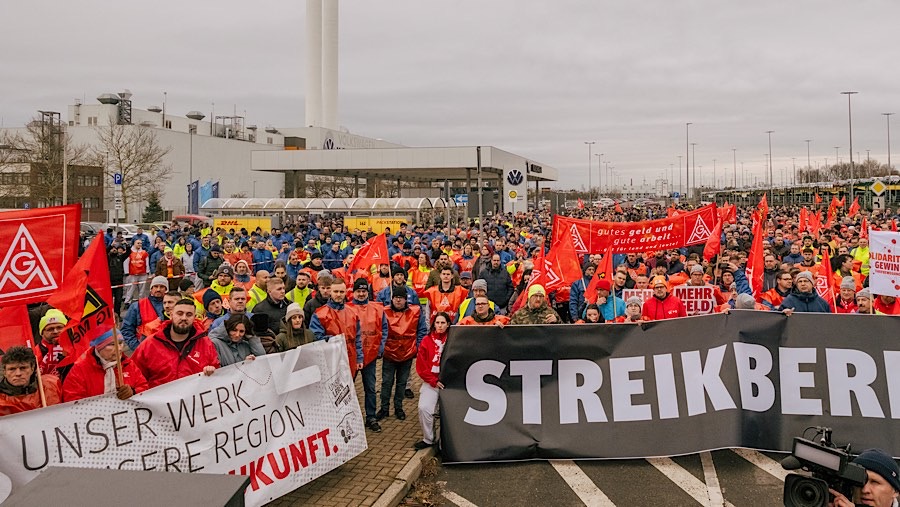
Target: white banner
{"type": "Point", "coordinates": [283, 419]}
{"type": "Point", "coordinates": [698, 300]}
{"type": "Point", "coordinates": [884, 263]}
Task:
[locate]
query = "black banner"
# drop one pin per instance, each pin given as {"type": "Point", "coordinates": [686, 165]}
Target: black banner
{"type": "Point", "coordinates": [746, 379]}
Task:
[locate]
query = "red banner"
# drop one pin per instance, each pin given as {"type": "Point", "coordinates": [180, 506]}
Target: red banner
{"type": "Point", "coordinates": [688, 228]}
{"type": "Point", "coordinates": [39, 247]}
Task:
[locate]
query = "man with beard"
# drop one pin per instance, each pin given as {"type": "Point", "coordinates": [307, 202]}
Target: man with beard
{"type": "Point", "coordinates": [662, 305]}
{"type": "Point", "coordinates": [177, 350]}
{"type": "Point", "coordinates": [19, 388]}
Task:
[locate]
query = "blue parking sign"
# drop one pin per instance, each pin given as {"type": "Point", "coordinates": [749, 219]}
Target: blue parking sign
{"type": "Point", "coordinates": [117, 178]}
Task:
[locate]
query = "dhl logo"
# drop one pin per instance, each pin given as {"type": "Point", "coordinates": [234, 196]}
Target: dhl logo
{"type": "Point", "coordinates": [229, 222]}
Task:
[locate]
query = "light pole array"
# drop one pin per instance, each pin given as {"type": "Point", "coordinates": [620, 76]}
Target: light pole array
{"type": "Point", "coordinates": [808, 159]}
{"type": "Point", "coordinates": [887, 116]}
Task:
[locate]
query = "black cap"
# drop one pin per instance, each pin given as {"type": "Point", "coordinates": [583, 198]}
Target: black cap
{"type": "Point", "coordinates": [316, 255]}
{"type": "Point", "coordinates": [360, 283]}
{"type": "Point", "coordinates": [215, 248]}
{"type": "Point", "coordinates": [397, 270]}
{"type": "Point", "coordinates": [399, 291]}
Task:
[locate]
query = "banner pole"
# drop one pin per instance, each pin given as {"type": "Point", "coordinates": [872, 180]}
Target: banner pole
{"type": "Point", "coordinates": [37, 368]}
{"type": "Point", "coordinates": [119, 373]}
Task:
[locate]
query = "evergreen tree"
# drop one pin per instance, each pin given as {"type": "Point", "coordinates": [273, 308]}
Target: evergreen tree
{"type": "Point", "coordinates": [153, 212]}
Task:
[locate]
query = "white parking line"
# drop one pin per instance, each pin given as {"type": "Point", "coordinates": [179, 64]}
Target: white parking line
{"type": "Point", "coordinates": [764, 462]}
{"type": "Point", "coordinates": [712, 480]}
{"type": "Point", "coordinates": [684, 480]}
{"type": "Point", "coordinates": [458, 500]}
{"type": "Point", "coordinates": [581, 484]}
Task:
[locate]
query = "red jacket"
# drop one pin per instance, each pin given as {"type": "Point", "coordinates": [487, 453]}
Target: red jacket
{"type": "Point", "coordinates": [659, 309]}
{"type": "Point", "coordinates": [86, 378]}
{"type": "Point", "coordinates": [160, 361]}
{"type": "Point", "coordinates": [428, 359]}
{"type": "Point", "coordinates": [10, 404]}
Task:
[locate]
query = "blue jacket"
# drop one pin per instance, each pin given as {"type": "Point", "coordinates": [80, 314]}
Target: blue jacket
{"type": "Point", "coordinates": [262, 259]}
{"type": "Point", "coordinates": [384, 297]}
{"type": "Point", "coordinates": [741, 282]}
{"type": "Point", "coordinates": [315, 325]}
{"type": "Point", "coordinates": [576, 297]}
{"type": "Point", "coordinates": [792, 259]}
{"type": "Point", "coordinates": [332, 260]}
{"type": "Point", "coordinates": [293, 269]}
{"type": "Point", "coordinates": [132, 321]}
{"type": "Point", "coordinates": [614, 307]}
{"type": "Point", "coordinates": [144, 240]}
{"type": "Point", "coordinates": [155, 256]}
{"type": "Point", "coordinates": [805, 302]}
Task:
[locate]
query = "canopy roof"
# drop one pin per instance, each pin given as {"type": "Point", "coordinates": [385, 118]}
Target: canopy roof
{"type": "Point", "coordinates": [349, 205]}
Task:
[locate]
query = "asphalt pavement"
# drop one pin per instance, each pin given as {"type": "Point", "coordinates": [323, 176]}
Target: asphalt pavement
{"type": "Point", "coordinates": [728, 477]}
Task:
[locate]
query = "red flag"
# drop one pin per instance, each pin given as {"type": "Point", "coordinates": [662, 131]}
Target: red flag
{"type": "Point", "coordinates": [560, 267]}
{"type": "Point", "coordinates": [864, 229]}
{"type": "Point", "coordinates": [714, 242]}
{"type": "Point", "coordinates": [373, 251]}
{"type": "Point", "coordinates": [755, 264]}
{"type": "Point", "coordinates": [619, 208]}
{"type": "Point", "coordinates": [843, 202]}
{"type": "Point", "coordinates": [15, 328]}
{"type": "Point", "coordinates": [804, 216]}
{"type": "Point", "coordinates": [86, 299]}
{"type": "Point", "coordinates": [818, 200]}
{"type": "Point", "coordinates": [825, 279]}
{"type": "Point", "coordinates": [39, 247]}
{"type": "Point", "coordinates": [728, 213]}
{"type": "Point", "coordinates": [893, 226]}
{"type": "Point", "coordinates": [670, 212]}
{"type": "Point", "coordinates": [763, 208]}
{"type": "Point", "coordinates": [580, 204]}
{"type": "Point", "coordinates": [829, 218]}
{"type": "Point", "coordinates": [605, 271]}
{"type": "Point", "coordinates": [815, 223]}
{"type": "Point", "coordinates": [854, 207]}
{"type": "Point", "coordinates": [834, 202]}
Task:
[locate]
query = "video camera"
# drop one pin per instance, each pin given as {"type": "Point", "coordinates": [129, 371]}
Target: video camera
{"type": "Point", "coordinates": [830, 467]}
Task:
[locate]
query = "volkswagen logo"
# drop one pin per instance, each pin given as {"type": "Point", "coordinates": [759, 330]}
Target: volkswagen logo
{"type": "Point", "coordinates": [514, 177]}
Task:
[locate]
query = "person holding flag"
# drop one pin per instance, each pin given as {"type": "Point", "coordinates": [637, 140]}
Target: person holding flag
{"type": "Point", "coordinates": [103, 369]}
{"type": "Point", "coordinates": [23, 387]}
{"type": "Point", "coordinates": [146, 312]}
{"type": "Point", "coordinates": [50, 327]}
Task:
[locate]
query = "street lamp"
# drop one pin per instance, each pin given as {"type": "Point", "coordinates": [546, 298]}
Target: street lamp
{"type": "Point", "coordinates": [192, 129]}
{"type": "Point", "coordinates": [687, 158]}
{"type": "Point", "coordinates": [680, 187]}
{"type": "Point", "coordinates": [771, 179]}
{"type": "Point", "coordinates": [734, 167]}
{"type": "Point", "coordinates": [850, 124]}
{"type": "Point", "coordinates": [589, 145]}
{"type": "Point", "coordinates": [887, 116]}
{"type": "Point", "coordinates": [693, 165]}
{"type": "Point", "coordinates": [808, 162]}
{"type": "Point", "coordinates": [599, 173]}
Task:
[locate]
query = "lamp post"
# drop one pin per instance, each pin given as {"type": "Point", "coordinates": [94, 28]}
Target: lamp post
{"type": "Point", "coordinates": [714, 174]}
{"type": "Point", "coordinates": [191, 130]}
{"type": "Point", "coordinates": [687, 158]}
{"type": "Point", "coordinates": [734, 167]}
{"type": "Point", "coordinates": [850, 125]}
{"type": "Point", "coordinates": [771, 179]}
{"type": "Point", "coordinates": [887, 116]}
{"type": "Point", "coordinates": [599, 173]}
{"type": "Point", "coordinates": [808, 162]}
{"type": "Point", "coordinates": [680, 187]}
{"type": "Point", "coordinates": [589, 144]}
{"type": "Point", "coordinates": [693, 165]}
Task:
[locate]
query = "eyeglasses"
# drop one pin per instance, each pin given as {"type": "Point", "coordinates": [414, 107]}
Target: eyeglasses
{"type": "Point", "coordinates": [480, 304]}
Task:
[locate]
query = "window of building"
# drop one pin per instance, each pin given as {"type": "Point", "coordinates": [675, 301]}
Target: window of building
{"type": "Point", "coordinates": [168, 124]}
{"type": "Point", "coordinates": [90, 202]}
{"type": "Point", "coordinates": [92, 121]}
{"type": "Point", "coordinates": [269, 140]}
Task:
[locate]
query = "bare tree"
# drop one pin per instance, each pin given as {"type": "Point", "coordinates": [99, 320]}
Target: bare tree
{"type": "Point", "coordinates": [37, 159]}
{"type": "Point", "coordinates": [134, 152]}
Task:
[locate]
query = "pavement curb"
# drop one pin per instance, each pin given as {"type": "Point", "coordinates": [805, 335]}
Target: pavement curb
{"type": "Point", "coordinates": [408, 474]}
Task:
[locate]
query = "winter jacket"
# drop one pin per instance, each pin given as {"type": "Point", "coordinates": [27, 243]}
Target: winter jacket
{"type": "Point", "coordinates": [22, 399]}
{"type": "Point", "coordinates": [116, 267]}
{"type": "Point", "coordinates": [529, 315]}
{"type": "Point", "coordinates": [428, 359]}
{"type": "Point", "coordinates": [576, 298]}
{"type": "Point", "coordinates": [208, 267]}
{"type": "Point", "coordinates": [133, 321]}
{"type": "Point", "coordinates": [288, 338]}
{"type": "Point", "coordinates": [161, 361]}
{"type": "Point", "coordinates": [332, 260]}
{"type": "Point", "coordinates": [231, 352]}
{"type": "Point", "coordinates": [275, 310]}
{"type": "Point", "coordinates": [499, 285]}
{"type": "Point", "coordinates": [384, 297]}
{"type": "Point", "coordinates": [805, 302]}
{"type": "Point", "coordinates": [162, 269]}
{"type": "Point", "coordinates": [87, 377]}
{"type": "Point", "coordinates": [669, 307]}
{"type": "Point", "coordinates": [262, 259]}
{"type": "Point", "coordinates": [313, 304]}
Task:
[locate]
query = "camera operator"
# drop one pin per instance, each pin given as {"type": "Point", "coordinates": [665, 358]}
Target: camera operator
{"type": "Point", "coordinates": [883, 485]}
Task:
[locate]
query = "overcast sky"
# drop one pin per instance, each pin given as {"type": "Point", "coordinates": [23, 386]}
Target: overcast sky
{"type": "Point", "coordinates": [537, 78]}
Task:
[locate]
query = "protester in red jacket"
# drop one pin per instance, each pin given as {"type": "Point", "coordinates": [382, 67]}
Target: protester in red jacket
{"type": "Point", "coordinates": [662, 305]}
{"type": "Point", "coordinates": [177, 350]}
{"type": "Point", "coordinates": [96, 372]}
{"type": "Point", "coordinates": [428, 364]}
{"type": "Point", "coordinates": [19, 385]}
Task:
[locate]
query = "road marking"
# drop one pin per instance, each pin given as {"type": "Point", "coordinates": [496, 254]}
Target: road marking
{"type": "Point", "coordinates": [581, 484]}
{"type": "Point", "coordinates": [764, 462]}
{"type": "Point", "coordinates": [458, 500]}
{"type": "Point", "coordinates": [684, 480]}
{"type": "Point", "coordinates": [713, 488]}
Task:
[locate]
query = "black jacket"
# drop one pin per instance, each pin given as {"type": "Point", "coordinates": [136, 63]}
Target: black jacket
{"type": "Point", "coordinates": [274, 310]}
{"type": "Point", "coordinates": [499, 285]}
{"type": "Point", "coordinates": [116, 266]}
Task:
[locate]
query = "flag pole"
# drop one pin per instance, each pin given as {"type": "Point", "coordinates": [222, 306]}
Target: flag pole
{"type": "Point", "coordinates": [37, 368]}
{"type": "Point", "coordinates": [118, 354]}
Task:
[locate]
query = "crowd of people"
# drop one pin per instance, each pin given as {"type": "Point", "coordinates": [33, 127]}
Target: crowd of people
{"type": "Point", "coordinates": [192, 299]}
